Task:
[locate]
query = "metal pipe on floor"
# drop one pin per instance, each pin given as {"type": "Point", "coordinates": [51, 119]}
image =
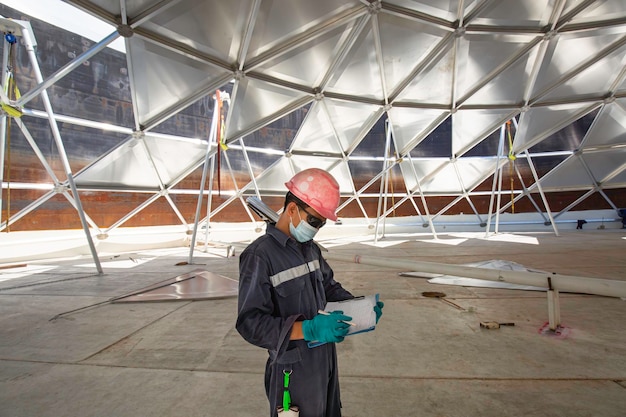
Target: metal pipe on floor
{"type": "Point", "coordinates": [563, 283]}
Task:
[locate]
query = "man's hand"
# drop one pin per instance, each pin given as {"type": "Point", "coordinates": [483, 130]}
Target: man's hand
{"type": "Point", "coordinates": [326, 328]}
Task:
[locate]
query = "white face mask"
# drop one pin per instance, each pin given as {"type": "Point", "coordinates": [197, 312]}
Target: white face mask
{"type": "Point", "coordinates": [304, 232]}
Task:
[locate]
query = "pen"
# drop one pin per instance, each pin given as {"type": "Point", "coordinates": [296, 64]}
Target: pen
{"type": "Point", "coordinates": [326, 313]}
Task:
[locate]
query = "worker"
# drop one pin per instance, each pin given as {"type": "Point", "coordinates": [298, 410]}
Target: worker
{"type": "Point", "coordinates": [283, 282]}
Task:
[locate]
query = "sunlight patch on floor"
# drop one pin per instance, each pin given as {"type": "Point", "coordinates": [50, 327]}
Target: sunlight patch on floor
{"type": "Point", "coordinates": [121, 264]}
{"type": "Point", "coordinates": [384, 243]}
{"type": "Point", "coordinates": [444, 241]}
{"type": "Point", "coordinates": [24, 271]}
{"type": "Point", "coordinates": [507, 237]}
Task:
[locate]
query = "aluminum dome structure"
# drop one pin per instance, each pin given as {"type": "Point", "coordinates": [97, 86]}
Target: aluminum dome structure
{"type": "Point", "coordinates": [435, 99]}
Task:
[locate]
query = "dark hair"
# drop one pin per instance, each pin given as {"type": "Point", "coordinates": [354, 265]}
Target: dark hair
{"type": "Point", "coordinates": [290, 197]}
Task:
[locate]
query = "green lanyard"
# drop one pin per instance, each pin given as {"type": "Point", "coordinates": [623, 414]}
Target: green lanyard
{"type": "Point", "coordinates": [286, 395]}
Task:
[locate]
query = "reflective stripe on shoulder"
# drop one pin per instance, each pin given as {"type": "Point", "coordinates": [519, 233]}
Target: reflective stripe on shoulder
{"type": "Point", "coordinates": [295, 272]}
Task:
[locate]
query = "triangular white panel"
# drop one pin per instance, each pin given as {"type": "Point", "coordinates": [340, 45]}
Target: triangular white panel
{"type": "Point", "coordinates": [273, 179]}
{"type": "Point", "coordinates": [256, 100]}
{"type": "Point", "coordinates": [308, 62]}
{"type": "Point", "coordinates": [130, 166]}
{"type": "Point", "coordinates": [596, 78]}
{"type": "Point", "coordinates": [433, 86]}
{"type": "Point", "coordinates": [127, 166]}
{"type": "Point", "coordinates": [570, 174]}
{"type": "Point", "coordinates": [568, 50]}
{"type": "Point", "coordinates": [601, 10]}
{"type": "Point", "coordinates": [443, 9]}
{"type": "Point", "coordinates": [280, 20]}
{"type": "Point", "coordinates": [410, 124]}
{"type": "Point", "coordinates": [349, 118]}
{"type": "Point", "coordinates": [360, 67]}
{"type": "Point", "coordinates": [609, 127]}
{"type": "Point", "coordinates": [618, 181]}
{"type": "Point", "coordinates": [172, 156]}
{"type": "Point", "coordinates": [332, 126]}
{"type": "Point", "coordinates": [470, 126]}
{"type": "Point", "coordinates": [507, 87]}
{"type": "Point", "coordinates": [479, 55]}
{"type": "Point", "coordinates": [417, 169]}
{"type": "Point", "coordinates": [622, 86]}
{"type": "Point", "coordinates": [444, 181]}
{"type": "Point", "coordinates": [474, 170]}
{"type": "Point", "coordinates": [400, 58]}
{"type": "Point", "coordinates": [537, 123]}
{"type": "Point", "coordinates": [317, 133]}
{"type": "Point", "coordinates": [113, 7]}
{"type": "Point", "coordinates": [514, 13]}
{"type": "Point", "coordinates": [217, 29]}
{"type": "Point", "coordinates": [164, 78]}
{"type": "Point", "coordinates": [605, 165]}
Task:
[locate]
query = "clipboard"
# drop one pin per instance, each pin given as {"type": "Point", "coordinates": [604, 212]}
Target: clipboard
{"type": "Point", "coordinates": [361, 309]}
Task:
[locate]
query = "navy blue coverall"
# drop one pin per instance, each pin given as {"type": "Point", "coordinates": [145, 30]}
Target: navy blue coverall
{"type": "Point", "coordinates": [282, 281]}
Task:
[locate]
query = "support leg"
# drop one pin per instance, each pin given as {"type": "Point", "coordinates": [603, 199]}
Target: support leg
{"type": "Point", "coordinates": [554, 310]}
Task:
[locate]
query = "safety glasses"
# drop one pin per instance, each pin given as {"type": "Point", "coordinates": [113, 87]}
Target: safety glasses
{"type": "Point", "coordinates": [311, 219]}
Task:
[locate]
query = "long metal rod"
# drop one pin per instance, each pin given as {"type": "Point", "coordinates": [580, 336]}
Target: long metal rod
{"type": "Point", "coordinates": [244, 151]}
{"type": "Point", "coordinates": [422, 197]}
{"type": "Point", "coordinates": [526, 192]}
{"type": "Point", "coordinates": [38, 153]}
{"type": "Point", "coordinates": [209, 203]}
{"type": "Point", "coordinates": [499, 196]}
{"type": "Point", "coordinates": [136, 210]}
{"type": "Point", "coordinates": [544, 199]}
{"type": "Point", "coordinates": [31, 207]}
{"type": "Point", "coordinates": [133, 86]}
{"type": "Point", "coordinates": [361, 190]}
{"type": "Point", "coordinates": [564, 283]}
{"type": "Point", "coordinates": [61, 148]}
{"type": "Point", "coordinates": [459, 177]}
{"type": "Point", "coordinates": [576, 202]}
{"type": "Point", "coordinates": [383, 184]}
{"type": "Point", "coordinates": [141, 137]}
{"type": "Point", "coordinates": [495, 177]}
{"type": "Point", "coordinates": [247, 33]}
{"type": "Point", "coordinates": [234, 180]}
{"type": "Point", "coordinates": [72, 201]}
{"type": "Point", "coordinates": [69, 67]}
{"type": "Point", "coordinates": [3, 118]}
{"type": "Point", "coordinates": [79, 122]}
{"type": "Point", "coordinates": [541, 193]}
{"type": "Point", "coordinates": [207, 155]}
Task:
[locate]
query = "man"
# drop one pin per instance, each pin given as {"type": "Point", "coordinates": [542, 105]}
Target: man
{"type": "Point", "coordinates": [283, 282]}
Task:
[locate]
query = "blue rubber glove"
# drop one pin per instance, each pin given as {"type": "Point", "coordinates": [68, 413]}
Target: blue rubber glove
{"type": "Point", "coordinates": [378, 308]}
{"type": "Point", "coordinates": [326, 329]}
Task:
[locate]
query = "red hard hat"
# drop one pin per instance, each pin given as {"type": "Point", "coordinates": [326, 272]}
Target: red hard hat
{"type": "Point", "coordinates": [318, 189]}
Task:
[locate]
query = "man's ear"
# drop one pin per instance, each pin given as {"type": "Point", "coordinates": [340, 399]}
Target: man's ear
{"type": "Point", "coordinates": [292, 208]}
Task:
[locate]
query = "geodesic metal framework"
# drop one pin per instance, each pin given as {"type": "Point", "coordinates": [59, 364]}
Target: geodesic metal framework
{"type": "Point", "coordinates": [483, 82]}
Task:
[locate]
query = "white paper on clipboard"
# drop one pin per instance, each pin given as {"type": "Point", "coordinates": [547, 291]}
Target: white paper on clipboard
{"type": "Point", "coordinates": [361, 309]}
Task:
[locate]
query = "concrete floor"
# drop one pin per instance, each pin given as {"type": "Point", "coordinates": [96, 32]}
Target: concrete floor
{"type": "Point", "coordinates": [427, 357]}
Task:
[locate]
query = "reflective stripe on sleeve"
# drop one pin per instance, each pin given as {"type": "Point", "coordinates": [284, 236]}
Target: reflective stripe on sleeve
{"type": "Point", "coordinates": [295, 272]}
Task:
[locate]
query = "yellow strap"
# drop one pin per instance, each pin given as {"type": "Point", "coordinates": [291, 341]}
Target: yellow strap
{"type": "Point", "coordinates": [12, 111]}
{"type": "Point", "coordinates": [512, 156]}
{"type": "Point", "coordinates": [512, 159]}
